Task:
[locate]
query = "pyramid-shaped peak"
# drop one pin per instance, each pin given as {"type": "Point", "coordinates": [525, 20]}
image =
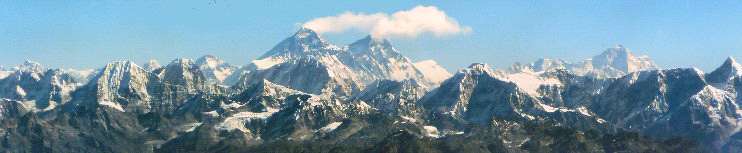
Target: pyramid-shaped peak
{"type": "Point", "coordinates": [476, 65]}
{"type": "Point", "coordinates": [31, 63]}
{"type": "Point", "coordinates": [181, 61]}
{"type": "Point", "coordinates": [152, 65]}
{"type": "Point", "coordinates": [31, 66]}
{"type": "Point", "coordinates": [373, 41]}
{"type": "Point", "coordinates": [207, 57]}
{"type": "Point", "coordinates": [211, 61]}
{"type": "Point", "coordinates": [730, 64]}
{"type": "Point", "coordinates": [304, 33]}
{"type": "Point", "coordinates": [122, 64]}
{"type": "Point", "coordinates": [306, 36]}
{"type": "Point", "coordinates": [153, 62]}
{"type": "Point", "coordinates": [731, 61]}
{"type": "Point", "coordinates": [303, 42]}
{"type": "Point", "coordinates": [119, 63]}
{"type": "Point", "coordinates": [480, 67]}
{"type": "Point", "coordinates": [726, 71]}
{"type": "Point", "coordinates": [618, 50]}
{"type": "Point", "coordinates": [622, 59]}
{"type": "Point", "coordinates": [370, 43]}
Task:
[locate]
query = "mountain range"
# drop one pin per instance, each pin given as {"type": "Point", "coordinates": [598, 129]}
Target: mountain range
{"type": "Point", "coordinates": [308, 95]}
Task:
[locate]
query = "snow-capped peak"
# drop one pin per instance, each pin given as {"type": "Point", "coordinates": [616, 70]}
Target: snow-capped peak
{"type": "Point", "coordinates": [726, 72]}
{"type": "Point", "coordinates": [479, 68]}
{"type": "Point", "coordinates": [730, 64]}
{"type": "Point", "coordinates": [306, 33]}
{"type": "Point", "coordinates": [210, 61]}
{"type": "Point", "coordinates": [151, 65]}
{"type": "Point", "coordinates": [180, 63]}
{"type": "Point", "coordinates": [183, 72]}
{"type": "Point", "coordinates": [369, 43]}
{"type": "Point", "coordinates": [30, 66]}
{"type": "Point", "coordinates": [432, 71]}
{"type": "Point", "coordinates": [545, 64]}
{"type": "Point", "coordinates": [622, 59]}
{"type": "Point", "coordinates": [214, 68]}
{"type": "Point", "coordinates": [122, 81]}
{"type": "Point", "coordinates": [303, 42]}
{"type": "Point", "coordinates": [307, 36]}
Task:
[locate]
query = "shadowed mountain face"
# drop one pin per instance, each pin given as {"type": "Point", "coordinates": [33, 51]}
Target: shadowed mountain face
{"type": "Point", "coordinates": [308, 95]}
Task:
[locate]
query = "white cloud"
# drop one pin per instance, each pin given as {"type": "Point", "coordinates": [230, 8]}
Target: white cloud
{"type": "Point", "coordinates": [406, 23]}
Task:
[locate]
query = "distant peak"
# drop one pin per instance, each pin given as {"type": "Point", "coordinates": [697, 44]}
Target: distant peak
{"type": "Point", "coordinates": [371, 44]}
{"type": "Point", "coordinates": [371, 41]}
{"type": "Point", "coordinates": [152, 65]}
{"type": "Point", "coordinates": [210, 60]}
{"type": "Point", "coordinates": [29, 65]}
{"type": "Point", "coordinates": [617, 50]}
{"type": "Point", "coordinates": [482, 67]}
{"type": "Point", "coordinates": [182, 61]}
{"type": "Point", "coordinates": [207, 56]}
{"type": "Point", "coordinates": [122, 64]}
{"type": "Point", "coordinates": [730, 64]}
{"type": "Point", "coordinates": [29, 62]}
{"type": "Point", "coordinates": [727, 71]}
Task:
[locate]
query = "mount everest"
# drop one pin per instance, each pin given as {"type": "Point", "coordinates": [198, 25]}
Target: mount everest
{"type": "Point", "coordinates": [308, 95]}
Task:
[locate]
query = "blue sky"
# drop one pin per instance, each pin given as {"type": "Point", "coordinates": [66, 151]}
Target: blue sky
{"type": "Point", "coordinates": [88, 34]}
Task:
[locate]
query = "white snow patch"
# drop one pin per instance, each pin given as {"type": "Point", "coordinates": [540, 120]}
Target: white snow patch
{"type": "Point", "coordinates": [431, 131]}
{"type": "Point", "coordinates": [600, 120]}
{"type": "Point", "coordinates": [268, 62]}
{"type": "Point", "coordinates": [409, 119]}
{"type": "Point", "coordinates": [237, 121]}
{"type": "Point", "coordinates": [28, 105]}
{"type": "Point", "coordinates": [548, 108]}
{"type": "Point", "coordinates": [432, 71]}
{"type": "Point", "coordinates": [20, 91]}
{"type": "Point", "coordinates": [231, 106]}
{"type": "Point", "coordinates": [552, 109]}
{"type": "Point", "coordinates": [4, 74]}
{"type": "Point", "coordinates": [112, 105]}
{"type": "Point", "coordinates": [584, 111]}
{"type": "Point", "coordinates": [192, 126]}
{"type": "Point", "coordinates": [331, 127]}
{"type": "Point", "coordinates": [222, 74]}
{"type": "Point", "coordinates": [530, 82]}
{"type": "Point", "coordinates": [212, 113]}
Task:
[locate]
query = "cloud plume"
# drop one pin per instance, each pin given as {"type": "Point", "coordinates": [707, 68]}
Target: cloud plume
{"type": "Point", "coordinates": [406, 23]}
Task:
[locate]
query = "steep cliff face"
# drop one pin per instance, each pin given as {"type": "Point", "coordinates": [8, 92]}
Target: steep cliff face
{"type": "Point", "coordinates": [41, 89]}
{"type": "Point", "coordinates": [475, 94]}
{"type": "Point", "coordinates": [214, 69]}
{"type": "Point", "coordinates": [397, 98]}
{"type": "Point", "coordinates": [670, 103]}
